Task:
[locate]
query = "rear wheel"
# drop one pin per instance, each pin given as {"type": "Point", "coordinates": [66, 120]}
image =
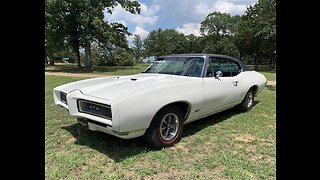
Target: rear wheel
{"type": "Point", "coordinates": [166, 128]}
{"type": "Point", "coordinates": [247, 102]}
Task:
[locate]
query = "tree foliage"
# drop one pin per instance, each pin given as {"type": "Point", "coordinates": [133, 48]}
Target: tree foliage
{"type": "Point", "coordinates": [138, 48]}
{"type": "Point", "coordinates": [218, 30]}
{"type": "Point", "coordinates": [219, 24]}
{"type": "Point", "coordinates": [78, 23]}
{"type": "Point", "coordinates": [116, 57]}
{"type": "Point", "coordinates": [161, 42]}
{"type": "Point", "coordinates": [257, 33]}
{"type": "Point", "coordinates": [74, 24]}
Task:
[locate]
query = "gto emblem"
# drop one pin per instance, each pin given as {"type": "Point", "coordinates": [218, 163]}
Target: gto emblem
{"type": "Point", "coordinates": [94, 108]}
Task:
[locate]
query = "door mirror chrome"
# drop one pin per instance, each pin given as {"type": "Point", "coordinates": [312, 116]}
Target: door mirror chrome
{"type": "Point", "coordinates": [218, 74]}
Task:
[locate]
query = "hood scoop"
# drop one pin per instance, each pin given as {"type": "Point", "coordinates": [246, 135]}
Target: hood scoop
{"type": "Point", "coordinates": [133, 79]}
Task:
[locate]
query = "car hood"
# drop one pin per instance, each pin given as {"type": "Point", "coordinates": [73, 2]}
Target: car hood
{"type": "Point", "coordinates": [110, 88]}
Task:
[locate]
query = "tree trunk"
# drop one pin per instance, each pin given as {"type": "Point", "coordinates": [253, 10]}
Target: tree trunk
{"type": "Point", "coordinates": [51, 60]}
{"type": "Point", "coordinates": [270, 62]}
{"type": "Point", "coordinates": [75, 46]}
{"type": "Point", "coordinates": [46, 60]}
{"type": "Point", "coordinates": [88, 55]}
{"type": "Point", "coordinates": [240, 56]}
{"type": "Point", "coordinates": [78, 58]}
{"type": "Point", "coordinates": [256, 63]}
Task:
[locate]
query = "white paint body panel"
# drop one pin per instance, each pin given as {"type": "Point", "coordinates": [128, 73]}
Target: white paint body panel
{"type": "Point", "coordinates": [135, 102]}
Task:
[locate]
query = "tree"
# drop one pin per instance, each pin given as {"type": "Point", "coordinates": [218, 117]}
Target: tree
{"type": "Point", "coordinates": [54, 32]}
{"type": "Point", "coordinates": [194, 44]}
{"type": "Point", "coordinates": [257, 35]}
{"type": "Point", "coordinates": [218, 24]}
{"type": "Point", "coordinates": [137, 47]}
{"type": "Point", "coordinates": [95, 29]}
{"type": "Point", "coordinates": [116, 57]}
{"type": "Point", "coordinates": [177, 42]}
{"type": "Point", "coordinates": [218, 30]}
{"type": "Point", "coordinates": [81, 23]}
{"type": "Point", "coordinates": [156, 44]}
{"type": "Point", "coordinates": [162, 42]}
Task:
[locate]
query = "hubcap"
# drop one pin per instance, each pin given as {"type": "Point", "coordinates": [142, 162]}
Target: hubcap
{"type": "Point", "coordinates": [169, 126]}
{"type": "Point", "coordinates": [250, 100]}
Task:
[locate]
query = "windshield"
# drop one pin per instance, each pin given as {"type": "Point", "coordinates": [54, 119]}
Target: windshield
{"type": "Point", "coordinates": [183, 66]}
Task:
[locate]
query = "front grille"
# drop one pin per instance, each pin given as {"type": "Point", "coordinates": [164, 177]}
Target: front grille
{"type": "Point", "coordinates": [93, 108]}
{"type": "Point", "coordinates": [63, 97]}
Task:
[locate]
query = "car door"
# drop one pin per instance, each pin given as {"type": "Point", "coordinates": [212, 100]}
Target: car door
{"type": "Point", "coordinates": [220, 92]}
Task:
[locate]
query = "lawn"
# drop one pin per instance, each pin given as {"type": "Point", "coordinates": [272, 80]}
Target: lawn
{"type": "Point", "coordinates": [228, 145]}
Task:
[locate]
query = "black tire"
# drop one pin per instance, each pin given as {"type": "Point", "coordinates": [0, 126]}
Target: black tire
{"type": "Point", "coordinates": [155, 137]}
{"type": "Point", "coordinates": [247, 102]}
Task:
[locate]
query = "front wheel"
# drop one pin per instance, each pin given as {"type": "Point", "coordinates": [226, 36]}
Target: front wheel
{"type": "Point", "coordinates": [247, 102]}
{"type": "Point", "coordinates": [166, 128]}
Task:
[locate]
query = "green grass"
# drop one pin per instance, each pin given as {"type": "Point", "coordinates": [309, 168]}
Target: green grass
{"type": "Point", "coordinates": [270, 75]}
{"type": "Point", "coordinates": [268, 72]}
{"type": "Point", "coordinates": [228, 145]}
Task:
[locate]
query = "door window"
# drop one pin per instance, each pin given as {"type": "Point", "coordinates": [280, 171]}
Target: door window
{"type": "Point", "coordinates": [227, 67]}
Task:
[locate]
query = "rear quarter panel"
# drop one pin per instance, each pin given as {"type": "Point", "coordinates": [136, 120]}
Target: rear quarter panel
{"type": "Point", "coordinates": [248, 79]}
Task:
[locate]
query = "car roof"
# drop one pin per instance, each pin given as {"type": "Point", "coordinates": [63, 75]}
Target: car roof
{"type": "Point", "coordinates": [242, 64]}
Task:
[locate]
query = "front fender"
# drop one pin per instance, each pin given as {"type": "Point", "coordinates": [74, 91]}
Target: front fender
{"type": "Point", "coordinates": [136, 111]}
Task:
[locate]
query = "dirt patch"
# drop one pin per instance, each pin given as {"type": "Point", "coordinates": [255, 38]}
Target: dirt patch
{"type": "Point", "coordinates": [218, 170]}
{"type": "Point", "coordinates": [70, 140]}
{"type": "Point", "coordinates": [270, 160]}
{"type": "Point", "coordinates": [76, 171]}
{"type": "Point", "coordinates": [252, 148]}
{"type": "Point", "coordinates": [272, 83]}
{"type": "Point", "coordinates": [245, 138]}
{"type": "Point", "coordinates": [271, 126]}
{"type": "Point", "coordinates": [264, 115]}
{"type": "Point", "coordinates": [181, 147]}
{"type": "Point", "coordinates": [256, 157]}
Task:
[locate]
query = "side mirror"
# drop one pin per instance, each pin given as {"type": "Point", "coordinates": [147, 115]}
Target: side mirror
{"type": "Point", "coordinates": [218, 74]}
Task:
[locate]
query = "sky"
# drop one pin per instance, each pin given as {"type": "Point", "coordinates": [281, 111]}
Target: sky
{"type": "Point", "coordinates": [184, 16]}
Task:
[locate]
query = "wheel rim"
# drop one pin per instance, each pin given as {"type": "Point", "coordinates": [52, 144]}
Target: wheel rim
{"type": "Point", "coordinates": [250, 100]}
{"type": "Point", "coordinates": [169, 126]}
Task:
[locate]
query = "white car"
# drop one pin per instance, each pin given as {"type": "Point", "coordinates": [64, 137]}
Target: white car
{"type": "Point", "coordinates": [172, 91]}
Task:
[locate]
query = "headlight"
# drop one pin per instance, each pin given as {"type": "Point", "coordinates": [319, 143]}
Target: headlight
{"type": "Point", "coordinates": [63, 97]}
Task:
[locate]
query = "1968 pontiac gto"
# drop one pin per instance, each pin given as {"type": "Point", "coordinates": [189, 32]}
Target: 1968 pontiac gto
{"type": "Point", "coordinates": [172, 91]}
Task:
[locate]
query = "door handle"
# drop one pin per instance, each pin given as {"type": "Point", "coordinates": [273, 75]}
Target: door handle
{"type": "Point", "coordinates": [235, 83]}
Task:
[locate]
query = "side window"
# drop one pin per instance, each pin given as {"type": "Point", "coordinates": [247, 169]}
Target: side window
{"type": "Point", "coordinates": [234, 68]}
{"type": "Point", "coordinates": [196, 68]}
{"type": "Point", "coordinates": [227, 67]}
